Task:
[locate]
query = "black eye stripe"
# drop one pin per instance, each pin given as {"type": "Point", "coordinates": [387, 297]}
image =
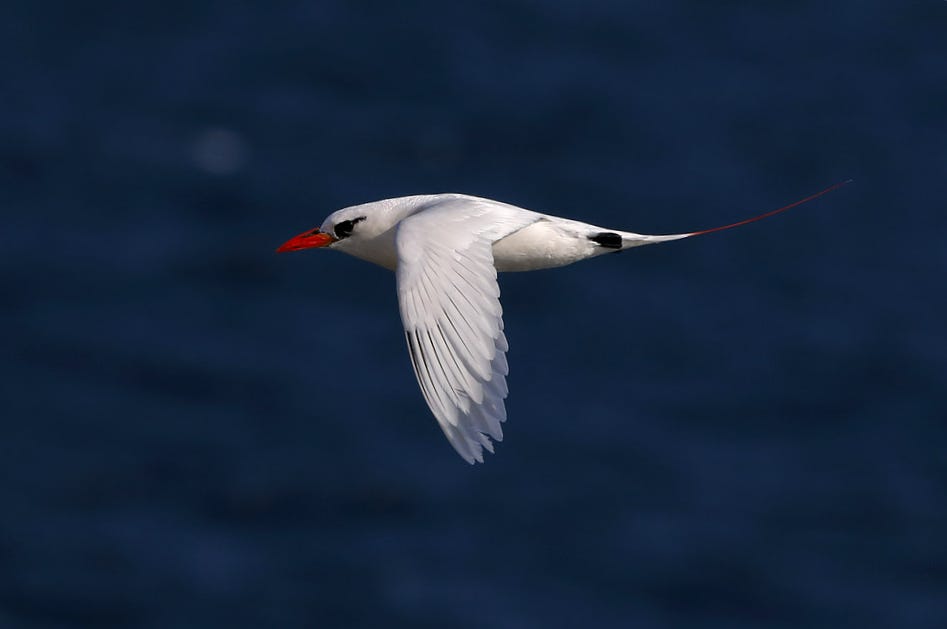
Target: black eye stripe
{"type": "Point", "coordinates": [343, 229]}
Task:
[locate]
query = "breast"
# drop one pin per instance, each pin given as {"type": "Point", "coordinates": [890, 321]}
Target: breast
{"type": "Point", "coordinates": [541, 245]}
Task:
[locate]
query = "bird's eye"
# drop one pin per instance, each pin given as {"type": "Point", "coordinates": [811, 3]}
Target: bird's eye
{"type": "Point", "coordinates": [343, 229]}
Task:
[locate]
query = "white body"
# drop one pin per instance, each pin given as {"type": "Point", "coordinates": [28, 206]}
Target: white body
{"type": "Point", "coordinates": [446, 250]}
{"type": "Point", "coordinates": [527, 240]}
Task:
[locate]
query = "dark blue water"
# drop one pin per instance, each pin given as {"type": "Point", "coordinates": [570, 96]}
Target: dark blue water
{"type": "Point", "coordinates": [744, 430]}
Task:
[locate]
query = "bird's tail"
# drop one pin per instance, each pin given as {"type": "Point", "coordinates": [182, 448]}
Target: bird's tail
{"type": "Point", "coordinates": [630, 239]}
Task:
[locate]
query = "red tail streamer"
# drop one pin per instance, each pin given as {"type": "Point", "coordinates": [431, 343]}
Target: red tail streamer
{"type": "Point", "coordinates": [773, 212]}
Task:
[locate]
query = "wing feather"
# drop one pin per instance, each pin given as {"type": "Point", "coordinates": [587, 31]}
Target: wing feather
{"type": "Point", "coordinates": [450, 306]}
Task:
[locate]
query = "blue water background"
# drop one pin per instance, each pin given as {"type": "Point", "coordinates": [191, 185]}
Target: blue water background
{"type": "Point", "coordinates": [743, 430]}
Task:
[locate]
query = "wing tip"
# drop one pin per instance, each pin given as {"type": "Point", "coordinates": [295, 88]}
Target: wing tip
{"type": "Point", "coordinates": [470, 447]}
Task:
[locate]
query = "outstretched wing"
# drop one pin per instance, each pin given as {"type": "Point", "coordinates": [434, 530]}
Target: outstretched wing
{"type": "Point", "coordinates": [450, 306]}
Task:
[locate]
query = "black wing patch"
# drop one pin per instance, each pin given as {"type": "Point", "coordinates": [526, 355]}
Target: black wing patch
{"type": "Point", "coordinates": [611, 240]}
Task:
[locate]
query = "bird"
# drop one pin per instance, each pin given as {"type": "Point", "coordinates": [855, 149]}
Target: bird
{"type": "Point", "coordinates": [446, 251]}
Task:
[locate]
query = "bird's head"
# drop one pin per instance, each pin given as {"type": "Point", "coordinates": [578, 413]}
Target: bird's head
{"type": "Point", "coordinates": [365, 231]}
{"type": "Point", "coordinates": [335, 230]}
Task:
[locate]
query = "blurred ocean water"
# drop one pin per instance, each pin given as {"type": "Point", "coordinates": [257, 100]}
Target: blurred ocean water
{"type": "Point", "coordinates": [742, 430]}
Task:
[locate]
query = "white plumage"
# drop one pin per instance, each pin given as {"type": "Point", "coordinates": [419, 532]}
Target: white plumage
{"type": "Point", "coordinates": [446, 250]}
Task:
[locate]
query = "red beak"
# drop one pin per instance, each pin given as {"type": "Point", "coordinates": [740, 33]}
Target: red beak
{"type": "Point", "coordinates": [307, 240]}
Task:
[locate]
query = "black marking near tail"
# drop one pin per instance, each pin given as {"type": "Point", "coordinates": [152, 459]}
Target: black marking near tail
{"type": "Point", "coordinates": [610, 240]}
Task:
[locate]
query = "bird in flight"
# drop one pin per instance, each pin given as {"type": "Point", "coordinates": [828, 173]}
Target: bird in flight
{"type": "Point", "coordinates": [446, 251]}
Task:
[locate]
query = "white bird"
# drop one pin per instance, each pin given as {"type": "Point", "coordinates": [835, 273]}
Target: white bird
{"type": "Point", "coordinates": [446, 250]}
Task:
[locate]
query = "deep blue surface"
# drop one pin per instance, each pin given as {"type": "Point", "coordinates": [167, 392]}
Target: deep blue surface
{"type": "Point", "coordinates": [742, 430]}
